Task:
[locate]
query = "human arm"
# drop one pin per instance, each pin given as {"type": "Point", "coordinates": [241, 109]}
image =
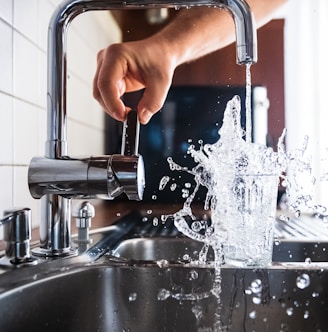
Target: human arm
{"type": "Point", "coordinates": [150, 63]}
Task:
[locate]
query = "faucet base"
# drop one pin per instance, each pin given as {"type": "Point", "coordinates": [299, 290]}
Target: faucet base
{"type": "Point", "coordinates": [13, 263]}
{"type": "Point", "coordinates": [47, 253]}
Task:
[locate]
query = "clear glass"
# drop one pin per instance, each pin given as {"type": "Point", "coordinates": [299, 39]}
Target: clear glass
{"type": "Point", "coordinates": [244, 216]}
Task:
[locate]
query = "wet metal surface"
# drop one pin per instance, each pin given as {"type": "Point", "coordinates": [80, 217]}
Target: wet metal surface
{"type": "Point", "coordinates": [148, 283]}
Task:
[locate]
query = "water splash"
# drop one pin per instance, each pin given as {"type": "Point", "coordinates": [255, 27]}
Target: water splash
{"type": "Point", "coordinates": [163, 182]}
{"type": "Point", "coordinates": [303, 281]}
{"type": "Point", "coordinates": [241, 176]}
{"type": "Point", "coordinates": [236, 174]}
{"type": "Point", "coordinates": [164, 294]}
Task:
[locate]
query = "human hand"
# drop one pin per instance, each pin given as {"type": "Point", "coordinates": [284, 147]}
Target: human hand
{"type": "Point", "coordinates": [130, 67]}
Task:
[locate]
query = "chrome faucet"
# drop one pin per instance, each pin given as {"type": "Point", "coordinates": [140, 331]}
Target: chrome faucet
{"type": "Point", "coordinates": [56, 180]}
{"type": "Point", "coordinates": [56, 177]}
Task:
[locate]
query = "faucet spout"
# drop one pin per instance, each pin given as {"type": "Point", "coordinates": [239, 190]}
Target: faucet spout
{"type": "Point", "coordinates": [246, 37]}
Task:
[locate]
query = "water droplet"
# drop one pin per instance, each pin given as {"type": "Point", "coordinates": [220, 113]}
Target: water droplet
{"type": "Point", "coordinates": [198, 312]}
{"type": "Point", "coordinates": [283, 217]}
{"type": "Point", "coordinates": [132, 297]}
{"type": "Point", "coordinates": [184, 193]}
{"type": "Point", "coordinates": [149, 211]}
{"type": "Point", "coordinates": [164, 217]}
{"type": "Point", "coordinates": [186, 258]}
{"type": "Point", "coordinates": [173, 186]}
{"type": "Point", "coordinates": [303, 281]}
{"type": "Point", "coordinates": [308, 260]}
{"type": "Point", "coordinates": [193, 275]}
{"type": "Point", "coordinates": [209, 231]}
{"type": "Point", "coordinates": [154, 197]}
{"type": "Point", "coordinates": [306, 314]}
{"type": "Point", "coordinates": [256, 286]}
{"type": "Point", "coordinates": [252, 314]}
{"type": "Point", "coordinates": [162, 263]}
{"type": "Point", "coordinates": [155, 221]}
{"type": "Point", "coordinates": [257, 300]}
{"type": "Point", "coordinates": [196, 226]}
{"type": "Point", "coordinates": [163, 294]}
{"type": "Point", "coordinates": [163, 182]}
{"type": "Point", "coordinates": [290, 311]}
{"type": "Point", "coordinates": [296, 304]}
{"type": "Point", "coordinates": [315, 294]}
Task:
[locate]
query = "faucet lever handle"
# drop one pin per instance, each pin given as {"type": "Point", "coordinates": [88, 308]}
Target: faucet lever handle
{"type": "Point", "coordinates": [130, 135]}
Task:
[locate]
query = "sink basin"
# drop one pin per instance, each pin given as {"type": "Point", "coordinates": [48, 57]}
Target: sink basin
{"type": "Point", "coordinates": [151, 283]}
{"type": "Point", "coordinates": [184, 249]}
{"type": "Point", "coordinates": [108, 296]}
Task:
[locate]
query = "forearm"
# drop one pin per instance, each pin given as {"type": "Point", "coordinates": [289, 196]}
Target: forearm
{"type": "Point", "coordinates": [150, 63]}
{"type": "Point", "coordinates": [202, 30]}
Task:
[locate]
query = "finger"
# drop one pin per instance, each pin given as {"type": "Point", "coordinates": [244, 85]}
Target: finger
{"type": "Point", "coordinates": [109, 86]}
{"type": "Point", "coordinates": [153, 99]}
{"type": "Point", "coordinates": [96, 92]}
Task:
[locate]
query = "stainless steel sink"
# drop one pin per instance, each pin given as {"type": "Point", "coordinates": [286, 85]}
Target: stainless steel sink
{"type": "Point", "coordinates": [171, 249]}
{"type": "Point", "coordinates": [149, 282]}
{"type": "Point", "coordinates": [108, 296]}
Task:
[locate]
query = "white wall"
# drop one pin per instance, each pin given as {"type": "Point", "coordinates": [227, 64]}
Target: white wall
{"type": "Point", "coordinates": [23, 31]}
{"type": "Point", "coordinates": [306, 74]}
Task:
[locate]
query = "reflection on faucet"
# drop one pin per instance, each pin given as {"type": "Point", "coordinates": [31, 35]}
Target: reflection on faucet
{"type": "Point", "coordinates": [55, 186]}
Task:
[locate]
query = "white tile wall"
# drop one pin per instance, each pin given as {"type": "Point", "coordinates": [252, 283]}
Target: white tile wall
{"type": "Point", "coordinates": [6, 8]}
{"type": "Point", "coordinates": [6, 57]}
{"type": "Point", "coordinates": [23, 31]}
{"type": "Point", "coordinates": [25, 68]}
{"type": "Point", "coordinates": [6, 131]}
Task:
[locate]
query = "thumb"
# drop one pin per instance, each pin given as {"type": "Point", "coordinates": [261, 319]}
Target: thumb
{"type": "Point", "coordinates": [153, 99]}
